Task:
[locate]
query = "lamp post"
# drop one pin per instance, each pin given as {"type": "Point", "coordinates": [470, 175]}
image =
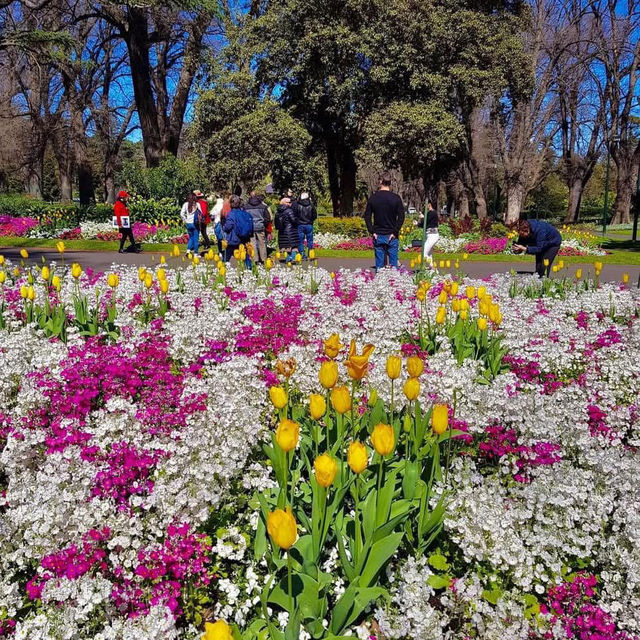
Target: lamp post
{"type": "Point", "coordinates": [606, 187]}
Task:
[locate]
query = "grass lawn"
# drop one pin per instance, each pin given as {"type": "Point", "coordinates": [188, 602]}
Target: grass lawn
{"type": "Point", "coordinates": [622, 251]}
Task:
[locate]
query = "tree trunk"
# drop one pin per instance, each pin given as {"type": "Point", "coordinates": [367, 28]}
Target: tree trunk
{"type": "Point", "coordinates": [34, 182]}
{"type": "Point", "coordinates": [515, 199]}
{"type": "Point", "coordinates": [66, 189]}
{"type": "Point", "coordinates": [137, 40]}
{"type": "Point", "coordinates": [85, 183]}
{"type": "Point", "coordinates": [463, 204]}
{"type": "Point", "coordinates": [627, 159]}
{"type": "Point", "coordinates": [576, 188]}
{"type": "Point", "coordinates": [348, 173]}
{"type": "Point", "coordinates": [480, 203]}
{"type": "Point", "coordinates": [109, 187]}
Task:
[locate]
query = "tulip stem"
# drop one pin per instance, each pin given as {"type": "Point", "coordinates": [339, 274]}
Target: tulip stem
{"type": "Point", "coordinates": [380, 469]}
{"type": "Point", "coordinates": [357, 520]}
{"type": "Point", "coordinates": [392, 403]}
{"type": "Point", "coordinates": [290, 585]}
{"type": "Point", "coordinates": [353, 419]}
{"type": "Point", "coordinates": [455, 404]}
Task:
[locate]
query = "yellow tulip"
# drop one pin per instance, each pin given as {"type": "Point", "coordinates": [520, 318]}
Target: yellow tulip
{"type": "Point", "coordinates": [298, 257]}
{"type": "Point", "coordinates": [456, 305]}
{"type": "Point", "coordinates": [325, 468]}
{"type": "Point", "coordinates": [597, 266]}
{"type": "Point", "coordinates": [332, 275]}
{"type": "Point", "coordinates": [176, 251]}
{"type": "Point", "coordinates": [56, 283]}
{"type": "Point", "coordinates": [282, 527]}
{"type": "Point", "coordinates": [411, 389]}
{"type": "Point", "coordinates": [456, 264]}
{"type": "Point", "coordinates": [358, 365]}
{"type": "Point", "coordinates": [357, 457]}
{"type": "Point", "coordinates": [448, 263]}
{"type": "Point", "coordinates": [560, 264]}
{"type": "Point", "coordinates": [443, 297]}
{"type": "Point", "coordinates": [31, 294]}
{"type": "Point", "coordinates": [164, 286]}
{"type": "Point", "coordinates": [470, 292]}
{"type": "Point", "coordinates": [142, 274]}
{"type": "Point", "coordinates": [317, 406]}
{"type": "Point", "coordinates": [76, 270]}
{"type": "Point", "coordinates": [441, 315]}
{"type": "Point", "coordinates": [464, 314]}
{"type": "Point", "coordinates": [60, 246]}
{"type": "Point", "coordinates": [163, 260]}
{"type": "Point", "coordinates": [268, 264]}
{"type": "Point", "coordinates": [3, 277]}
{"type": "Point", "coordinates": [148, 281]}
{"type": "Point", "coordinates": [421, 294]}
{"type": "Point", "coordinates": [161, 274]}
{"type": "Point", "coordinates": [332, 345]}
{"type": "Point", "coordinates": [328, 374]}
{"type": "Point", "coordinates": [341, 399]}
{"type": "Point", "coordinates": [383, 439]}
{"type": "Point", "coordinates": [482, 324]}
{"type": "Point", "coordinates": [555, 268]}
{"type": "Point", "coordinates": [454, 288]}
{"type": "Point", "coordinates": [465, 256]}
{"type": "Point", "coordinates": [625, 278]}
{"type": "Point", "coordinates": [415, 366]}
{"type": "Point", "coordinates": [1, 259]}
{"type": "Point", "coordinates": [16, 272]}
{"type": "Point", "coordinates": [545, 262]}
{"type": "Point", "coordinates": [286, 367]}
{"type": "Point", "coordinates": [278, 397]}
{"type": "Point", "coordinates": [494, 313]}
{"type": "Point", "coordinates": [287, 435]}
{"type": "Point", "coordinates": [440, 418]}
{"type": "Point", "coordinates": [394, 367]}
{"type": "Point", "coordinates": [46, 274]}
{"type": "Point", "coordinates": [312, 254]}
{"type": "Point", "coordinates": [24, 253]}
{"type": "Point", "coordinates": [113, 280]}
{"type": "Point", "coordinates": [24, 292]}
{"type": "Point", "coordinates": [482, 292]}
{"type": "Point", "coordinates": [222, 271]}
{"type": "Point", "coordinates": [597, 273]}
{"type": "Point", "coordinates": [579, 274]}
{"type": "Point", "coordinates": [196, 260]}
{"type": "Point", "coordinates": [278, 255]}
{"type": "Point", "coordinates": [441, 264]}
{"type": "Point", "coordinates": [483, 308]}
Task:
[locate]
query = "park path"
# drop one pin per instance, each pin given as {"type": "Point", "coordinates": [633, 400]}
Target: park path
{"type": "Point", "coordinates": [105, 260]}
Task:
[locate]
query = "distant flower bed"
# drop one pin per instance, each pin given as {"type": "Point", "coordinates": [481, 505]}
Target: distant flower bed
{"type": "Point", "coordinates": [357, 244]}
{"type": "Point", "coordinates": [16, 226]}
{"type": "Point", "coordinates": [486, 246]}
{"type": "Point", "coordinates": [141, 232]}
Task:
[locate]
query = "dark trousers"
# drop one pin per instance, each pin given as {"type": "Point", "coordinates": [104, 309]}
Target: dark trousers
{"type": "Point", "coordinates": [205, 235]}
{"type": "Point", "coordinates": [549, 254]}
{"type": "Point", "coordinates": [124, 234]}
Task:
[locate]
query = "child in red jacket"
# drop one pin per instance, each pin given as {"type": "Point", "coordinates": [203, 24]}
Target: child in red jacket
{"type": "Point", "coordinates": [122, 220]}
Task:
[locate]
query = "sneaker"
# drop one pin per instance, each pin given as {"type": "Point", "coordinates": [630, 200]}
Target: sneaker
{"type": "Point", "coordinates": [120, 250]}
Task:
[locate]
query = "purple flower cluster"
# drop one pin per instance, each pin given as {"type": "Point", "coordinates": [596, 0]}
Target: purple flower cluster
{"type": "Point", "coordinates": [346, 295]}
{"type": "Point", "coordinates": [16, 226]}
{"type": "Point", "coordinates": [162, 572]}
{"type": "Point", "coordinates": [570, 604]}
{"type": "Point", "coordinates": [504, 442]}
{"type": "Point", "coordinates": [126, 473]}
{"type": "Point", "coordinates": [486, 246]}
{"type": "Point", "coordinates": [598, 423]}
{"type": "Point", "coordinates": [530, 372]}
{"type": "Point", "coordinates": [357, 244]}
{"type": "Point", "coordinates": [608, 338]}
{"type": "Point", "coordinates": [72, 562]}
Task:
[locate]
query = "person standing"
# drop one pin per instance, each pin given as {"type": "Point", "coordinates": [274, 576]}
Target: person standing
{"type": "Point", "coordinates": [238, 228]}
{"type": "Point", "coordinates": [432, 233]}
{"type": "Point", "coordinates": [384, 217]}
{"type": "Point", "coordinates": [541, 239]}
{"type": "Point", "coordinates": [287, 226]}
{"type": "Point", "coordinates": [122, 220]}
{"type": "Point", "coordinates": [190, 214]}
{"type": "Point", "coordinates": [216, 215]}
{"type": "Point", "coordinates": [205, 218]}
{"type": "Point", "coordinates": [261, 221]}
{"type": "Point", "coordinates": [306, 215]}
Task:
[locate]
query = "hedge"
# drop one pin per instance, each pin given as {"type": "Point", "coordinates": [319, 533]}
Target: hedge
{"type": "Point", "coordinates": [352, 227]}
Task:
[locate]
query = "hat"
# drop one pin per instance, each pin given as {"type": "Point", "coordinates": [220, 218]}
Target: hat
{"type": "Point", "coordinates": [198, 193]}
{"type": "Point", "coordinates": [285, 200]}
{"type": "Point", "coordinates": [304, 196]}
{"type": "Point", "coordinates": [123, 194]}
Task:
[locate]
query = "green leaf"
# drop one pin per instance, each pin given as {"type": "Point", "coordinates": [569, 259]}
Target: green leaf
{"type": "Point", "coordinates": [379, 555]}
{"type": "Point", "coordinates": [492, 596]}
{"type": "Point", "coordinates": [438, 562]}
{"type": "Point", "coordinates": [439, 581]}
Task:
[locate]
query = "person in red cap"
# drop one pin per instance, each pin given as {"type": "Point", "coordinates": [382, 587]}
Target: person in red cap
{"type": "Point", "coordinates": [205, 218]}
{"type": "Point", "coordinates": [122, 220]}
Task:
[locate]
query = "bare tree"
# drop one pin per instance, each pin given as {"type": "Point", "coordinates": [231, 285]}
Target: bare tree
{"type": "Point", "coordinates": [524, 124]}
{"type": "Point", "coordinates": [617, 25]}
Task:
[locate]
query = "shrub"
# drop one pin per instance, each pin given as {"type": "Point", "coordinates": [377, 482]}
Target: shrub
{"type": "Point", "coordinates": [352, 227]}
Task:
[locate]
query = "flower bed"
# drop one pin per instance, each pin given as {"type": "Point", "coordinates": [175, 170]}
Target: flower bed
{"type": "Point", "coordinates": [16, 226]}
{"type": "Point", "coordinates": [138, 412]}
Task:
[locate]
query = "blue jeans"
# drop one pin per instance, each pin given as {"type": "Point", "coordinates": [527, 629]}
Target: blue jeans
{"type": "Point", "coordinates": [305, 231]}
{"type": "Point", "coordinates": [385, 247]}
{"type": "Point", "coordinates": [194, 238]}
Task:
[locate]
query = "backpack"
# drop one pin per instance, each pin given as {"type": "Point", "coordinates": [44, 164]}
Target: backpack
{"type": "Point", "coordinates": [243, 225]}
{"type": "Point", "coordinates": [257, 214]}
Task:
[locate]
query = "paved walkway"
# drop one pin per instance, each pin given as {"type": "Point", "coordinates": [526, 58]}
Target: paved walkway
{"type": "Point", "coordinates": [104, 260]}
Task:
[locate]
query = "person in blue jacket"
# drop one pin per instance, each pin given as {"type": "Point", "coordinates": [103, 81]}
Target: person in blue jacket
{"type": "Point", "coordinates": [232, 227]}
{"type": "Point", "coordinates": [541, 239]}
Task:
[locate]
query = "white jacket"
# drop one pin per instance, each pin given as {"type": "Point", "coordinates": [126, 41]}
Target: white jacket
{"type": "Point", "coordinates": [216, 210]}
{"type": "Point", "coordinates": [187, 215]}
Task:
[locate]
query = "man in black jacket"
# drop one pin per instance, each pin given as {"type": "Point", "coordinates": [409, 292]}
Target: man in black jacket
{"type": "Point", "coordinates": [261, 221]}
{"type": "Point", "coordinates": [387, 211]}
{"type": "Point", "coordinates": [306, 215]}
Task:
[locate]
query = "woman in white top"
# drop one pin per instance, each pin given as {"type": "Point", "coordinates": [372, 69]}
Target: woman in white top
{"type": "Point", "coordinates": [190, 214]}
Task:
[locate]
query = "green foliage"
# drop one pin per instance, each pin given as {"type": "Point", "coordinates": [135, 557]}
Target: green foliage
{"type": "Point", "coordinates": [352, 227]}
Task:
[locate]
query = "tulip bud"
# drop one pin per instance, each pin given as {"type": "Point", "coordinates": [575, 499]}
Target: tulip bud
{"type": "Point", "coordinates": [440, 418]}
{"type": "Point", "coordinates": [287, 434]}
{"type": "Point", "coordinates": [441, 315]}
{"type": "Point", "coordinates": [278, 397]}
{"type": "Point", "coordinates": [394, 367]}
{"type": "Point", "coordinates": [357, 457]}
{"type": "Point", "coordinates": [415, 366]}
{"type": "Point", "coordinates": [443, 297]}
{"type": "Point", "coordinates": [325, 468]}
{"type": "Point", "coordinates": [46, 274]}
{"type": "Point", "coordinates": [24, 292]}
{"type": "Point", "coordinates": [113, 280]}
{"type": "Point", "coordinates": [328, 374]}
{"type": "Point", "coordinates": [24, 253]}
{"type": "Point", "coordinates": [625, 278]}
{"type": "Point", "coordinates": [163, 260]}
{"type": "Point", "coordinates": [76, 270]}
{"type": "Point", "coordinates": [268, 264]}
{"type": "Point", "coordinates": [312, 254]}
{"type": "Point", "coordinates": [31, 294]}
{"type": "Point", "coordinates": [579, 274]}
{"type": "Point", "coordinates": [411, 389]}
{"type": "Point", "coordinates": [282, 527]}
{"type": "Point", "coordinates": [164, 286]}
{"type": "Point", "coordinates": [161, 274]}
{"type": "Point", "coordinates": [1, 259]}
{"type": "Point", "coordinates": [317, 406]}
{"type": "Point", "coordinates": [383, 439]}
{"type": "Point", "coordinates": [406, 425]}
{"type": "Point", "coordinates": [148, 281]}
{"type": "Point", "coordinates": [421, 294]}
{"type": "Point", "coordinates": [470, 293]}
{"type": "Point", "coordinates": [482, 324]}
{"type": "Point", "coordinates": [340, 399]}
{"type": "Point", "coordinates": [56, 283]}
{"type": "Point", "coordinates": [298, 257]}
{"type": "Point", "coordinates": [454, 288]}
{"type": "Point", "coordinates": [60, 246]}
{"type": "Point", "coordinates": [373, 398]}
{"type": "Point", "coordinates": [3, 277]}
{"type": "Point", "coordinates": [482, 292]}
